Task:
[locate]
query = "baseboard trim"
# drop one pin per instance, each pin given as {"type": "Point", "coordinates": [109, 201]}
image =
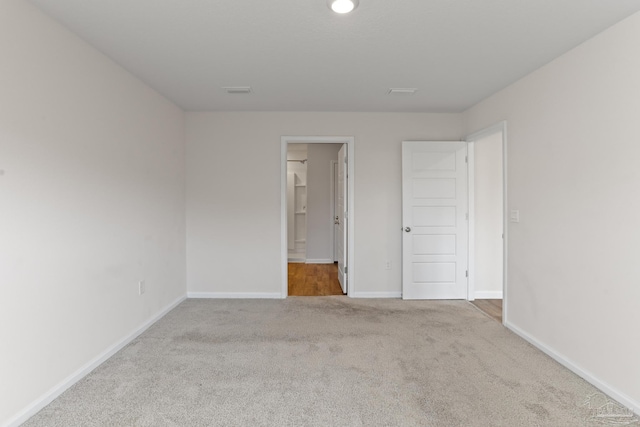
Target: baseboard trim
{"type": "Point", "coordinates": [61, 387]}
{"type": "Point", "coordinates": [488, 294]}
{"type": "Point", "coordinates": [319, 261]}
{"type": "Point", "coordinates": [234, 295]}
{"type": "Point", "coordinates": [587, 376]}
{"type": "Point", "coordinates": [376, 295]}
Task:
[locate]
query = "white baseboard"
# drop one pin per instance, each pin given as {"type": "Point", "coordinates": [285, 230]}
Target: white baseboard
{"type": "Point", "coordinates": [488, 294]}
{"type": "Point", "coordinates": [235, 295]}
{"type": "Point", "coordinates": [319, 261]}
{"type": "Point", "coordinates": [587, 376]}
{"type": "Point", "coordinates": [61, 387]}
{"type": "Point", "coordinates": [376, 295]}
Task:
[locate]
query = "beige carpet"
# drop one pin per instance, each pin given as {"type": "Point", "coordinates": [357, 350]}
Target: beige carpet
{"type": "Point", "coordinates": [325, 361]}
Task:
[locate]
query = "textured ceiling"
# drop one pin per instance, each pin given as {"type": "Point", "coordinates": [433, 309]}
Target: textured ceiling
{"type": "Point", "coordinates": [297, 55]}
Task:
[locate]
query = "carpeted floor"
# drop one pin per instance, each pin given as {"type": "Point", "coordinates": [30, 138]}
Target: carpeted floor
{"type": "Point", "coordinates": [325, 361]}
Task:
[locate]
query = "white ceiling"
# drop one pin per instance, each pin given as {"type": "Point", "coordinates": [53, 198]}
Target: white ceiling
{"type": "Point", "coordinates": [297, 55]}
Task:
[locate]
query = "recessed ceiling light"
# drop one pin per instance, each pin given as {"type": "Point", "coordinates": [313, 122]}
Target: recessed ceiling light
{"type": "Point", "coordinates": [237, 89]}
{"type": "Point", "coordinates": [402, 91]}
{"type": "Point", "coordinates": [342, 6]}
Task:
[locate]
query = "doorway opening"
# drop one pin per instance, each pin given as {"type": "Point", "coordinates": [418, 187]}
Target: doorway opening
{"type": "Point", "coordinates": [317, 215]}
{"type": "Point", "coordinates": [488, 220]}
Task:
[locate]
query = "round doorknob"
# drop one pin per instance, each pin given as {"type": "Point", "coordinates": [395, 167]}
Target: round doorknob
{"type": "Point", "coordinates": [407, 229]}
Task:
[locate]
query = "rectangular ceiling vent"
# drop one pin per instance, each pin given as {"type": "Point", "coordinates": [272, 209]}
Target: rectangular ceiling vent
{"type": "Point", "coordinates": [402, 90]}
{"type": "Point", "coordinates": [237, 89]}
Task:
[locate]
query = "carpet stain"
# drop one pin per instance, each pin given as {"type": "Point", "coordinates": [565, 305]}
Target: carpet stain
{"type": "Point", "coordinates": [336, 349]}
{"type": "Point", "coordinates": [538, 410]}
{"type": "Point", "coordinates": [560, 395]}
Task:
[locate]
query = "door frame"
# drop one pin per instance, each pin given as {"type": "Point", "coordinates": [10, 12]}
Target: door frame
{"type": "Point", "coordinates": [500, 127]}
{"type": "Point", "coordinates": [350, 142]}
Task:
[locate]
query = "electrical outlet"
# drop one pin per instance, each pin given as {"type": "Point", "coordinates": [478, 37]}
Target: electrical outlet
{"type": "Point", "coordinates": [141, 287]}
{"type": "Point", "coordinates": [387, 265]}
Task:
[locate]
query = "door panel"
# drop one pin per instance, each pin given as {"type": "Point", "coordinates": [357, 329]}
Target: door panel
{"type": "Point", "coordinates": [434, 212]}
{"type": "Point", "coordinates": [434, 272]}
{"type": "Point", "coordinates": [342, 213]}
{"type": "Point", "coordinates": [434, 188]}
{"type": "Point", "coordinates": [336, 217]}
{"type": "Point", "coordinates": [434, 244]}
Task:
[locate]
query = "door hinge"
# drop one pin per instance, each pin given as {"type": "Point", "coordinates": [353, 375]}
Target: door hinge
{"type": "Point", "coordinates": [346, 269]}
{"type": "Point", "coordinates": [466, 274]}
{"type": "Point", "coordinates": [466, 159]}
{"type": "Point", "coordinates": [466, 216]}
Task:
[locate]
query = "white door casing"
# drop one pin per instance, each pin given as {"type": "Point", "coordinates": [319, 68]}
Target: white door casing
{"type": "Point", "coordinates": [342, 216]}
{"type": "Point", "coordinates": [435, 215]}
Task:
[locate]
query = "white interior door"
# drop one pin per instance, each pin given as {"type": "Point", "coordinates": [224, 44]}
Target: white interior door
{"type": "Point", "coordinates": [435, 220]}
{"type": "Point", "coordinates": [336, 216]}
{"type": "Point", "coordinates": [342, 213]}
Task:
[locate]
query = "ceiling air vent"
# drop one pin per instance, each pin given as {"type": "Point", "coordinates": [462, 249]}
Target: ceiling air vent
{"type": "Point", "coordinates": [237, 89]}
{"type": "Point", "coordinates": [402, 90]}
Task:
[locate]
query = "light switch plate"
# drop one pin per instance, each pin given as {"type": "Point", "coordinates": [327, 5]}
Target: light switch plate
{"type": "Point", "coordinates": [514, 216]}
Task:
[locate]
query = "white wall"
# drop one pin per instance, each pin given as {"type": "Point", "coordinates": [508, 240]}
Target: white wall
{"type": "Point", "coordinates": [232, 220]}
{"type": "Point", "coordinates": [91, 202]}
{"type": "Point", "coordinates": [573, 173]}
{"type": "Point", "coordinates": [319, 214]}
{"type": "Point", "coordinates": [488, 216]}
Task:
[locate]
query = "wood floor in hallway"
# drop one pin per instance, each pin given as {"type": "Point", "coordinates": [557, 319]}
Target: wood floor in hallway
{"type": "Point", "coordinates": [493, 307]}
{"type": "Point", "coordinates": [313, 280]}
